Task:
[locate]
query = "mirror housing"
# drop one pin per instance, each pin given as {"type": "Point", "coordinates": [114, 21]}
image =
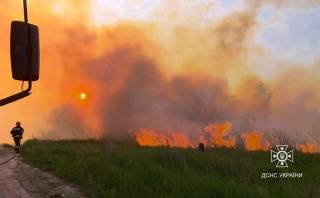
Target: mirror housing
{"type": "Point", "coordinates": [25, 57]}
{"type": "Point", "coordinates": [24, 51]}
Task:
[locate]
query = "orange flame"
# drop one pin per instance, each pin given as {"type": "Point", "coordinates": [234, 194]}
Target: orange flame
{"type": "Point", "coordinates": [253, 142]}
{"type": "Point", "coordinates": [219, 134]}
{"type": "Point", "coordinates": [151, 138]}
{"type": "Point", "coordinates": [308, 148]}
{"type": "Point", "coordinates": [214, 135]}
{"type": "Point", "coordinates": [180, 140]}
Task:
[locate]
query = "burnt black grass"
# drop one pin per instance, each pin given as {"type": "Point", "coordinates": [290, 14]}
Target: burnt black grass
{"type": "Point", "coordinates": [114, 169]}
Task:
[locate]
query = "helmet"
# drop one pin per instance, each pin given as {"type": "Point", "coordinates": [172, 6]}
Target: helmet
{"type": "Point", "coordinates": [18, 123]}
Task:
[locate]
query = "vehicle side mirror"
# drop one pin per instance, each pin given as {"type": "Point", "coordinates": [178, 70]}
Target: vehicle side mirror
{"type": "Point", "coordinates": [24, 51]}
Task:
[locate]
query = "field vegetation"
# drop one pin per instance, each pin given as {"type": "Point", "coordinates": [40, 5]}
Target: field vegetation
{"type": "Point", "coordinates": [123, 169]}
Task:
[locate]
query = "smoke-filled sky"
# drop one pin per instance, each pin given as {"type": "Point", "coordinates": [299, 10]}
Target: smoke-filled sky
{"type": "Point", "coordinates": [167, 65]}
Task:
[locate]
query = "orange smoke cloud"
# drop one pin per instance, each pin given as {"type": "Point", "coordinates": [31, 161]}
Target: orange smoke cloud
{"type": "Point", "coordinates": [166, 81]}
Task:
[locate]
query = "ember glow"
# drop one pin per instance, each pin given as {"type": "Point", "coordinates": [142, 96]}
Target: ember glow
{"type": "Point", "coordinates": [224, 73]}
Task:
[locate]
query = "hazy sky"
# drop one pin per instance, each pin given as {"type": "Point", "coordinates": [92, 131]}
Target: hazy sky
{"type": "Point", "coordinates": [292, 31]}
{"type": "Point", "coordinates": [294, 35]}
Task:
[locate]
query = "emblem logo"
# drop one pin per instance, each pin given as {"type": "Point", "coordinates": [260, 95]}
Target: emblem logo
{"type": "Point", "coordinates": [281, 156]}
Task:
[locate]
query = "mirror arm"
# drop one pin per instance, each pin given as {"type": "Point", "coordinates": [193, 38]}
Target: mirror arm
{"type": "Point", "coordinates": [17, 96]}
{"type": "Point", "coordinates": [25, 11]}
{"type": "Point", "coordinates": [26, 92]}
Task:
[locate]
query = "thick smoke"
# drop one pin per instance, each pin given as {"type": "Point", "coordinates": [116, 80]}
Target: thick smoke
{"type": "Point", "coordinates": [182, 78]}
{"type": "Point", "coordinates": [67, 124]}
{"type": "Point", "coordinates": [147, 100]}
{"type": "Point", "coordinates": [176, 68]}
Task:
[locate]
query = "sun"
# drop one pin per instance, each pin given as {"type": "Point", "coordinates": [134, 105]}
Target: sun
{"type": "Point", "coordinates": [83, 96]}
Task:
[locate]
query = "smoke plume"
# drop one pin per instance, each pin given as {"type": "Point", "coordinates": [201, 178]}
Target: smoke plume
{"type": "Point", "coordinates": [170, 72]}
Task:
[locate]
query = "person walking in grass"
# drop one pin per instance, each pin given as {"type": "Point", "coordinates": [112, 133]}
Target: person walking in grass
{"type": "Point", "coordinates": [17, 133]}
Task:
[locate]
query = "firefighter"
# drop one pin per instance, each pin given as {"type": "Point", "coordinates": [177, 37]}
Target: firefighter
{"type": "Point", "coordinates": [17, 133]}
{"type": "Point", "coordinates": [201, 147]}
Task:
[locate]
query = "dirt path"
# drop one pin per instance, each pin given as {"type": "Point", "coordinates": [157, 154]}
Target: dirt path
{"type": "Point", "coordinates": [19, 180]}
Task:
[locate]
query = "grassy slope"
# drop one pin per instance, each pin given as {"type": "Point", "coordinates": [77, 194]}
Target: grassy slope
{"type": "Point", "coordinates": [125, 170]}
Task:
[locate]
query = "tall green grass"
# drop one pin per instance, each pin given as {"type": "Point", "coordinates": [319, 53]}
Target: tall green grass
{"type": "Point", "coordinates": [114, 169]}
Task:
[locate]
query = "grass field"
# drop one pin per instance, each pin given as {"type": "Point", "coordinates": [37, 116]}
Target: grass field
{"type": "Point", "coordinates": [116, 169]}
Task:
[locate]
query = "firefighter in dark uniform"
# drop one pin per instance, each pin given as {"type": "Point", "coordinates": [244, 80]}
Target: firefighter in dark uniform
{"type": "Point", "coordinates": [17, 133]}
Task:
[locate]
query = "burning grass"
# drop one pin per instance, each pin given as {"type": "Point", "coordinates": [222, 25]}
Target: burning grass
{"type": "Point", "coordinates": [221, 136]}
{"type": "Point", "coordinates": [122, 169]}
